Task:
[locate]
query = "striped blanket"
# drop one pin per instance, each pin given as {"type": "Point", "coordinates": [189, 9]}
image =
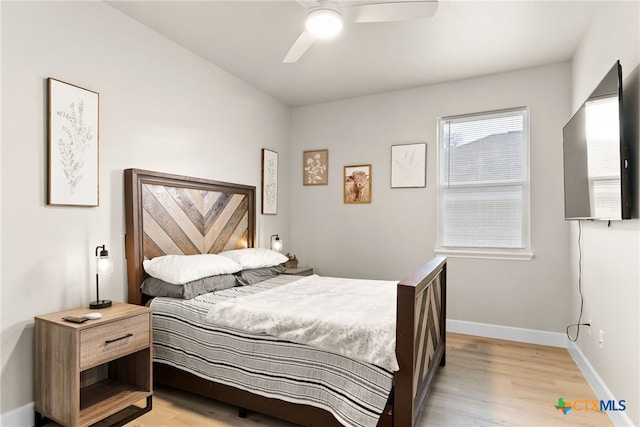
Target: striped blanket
{"type": "Point", "coordinates": [354, 392]}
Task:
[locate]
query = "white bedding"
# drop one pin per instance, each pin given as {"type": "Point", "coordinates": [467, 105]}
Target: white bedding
{"type": "Point", "coordinates": [352, 317]}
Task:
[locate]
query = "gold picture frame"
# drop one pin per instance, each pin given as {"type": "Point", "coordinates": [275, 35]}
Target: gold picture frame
{"type": "Point", "coordinates": [315, 167]}
{"type": "Point", "coordinates": [357, 184]}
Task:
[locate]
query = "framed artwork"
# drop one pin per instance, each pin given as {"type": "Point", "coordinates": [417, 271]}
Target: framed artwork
{"type": "Point", "coordinates": [269, 182]}
{"type": "Point", "coordinates": [73, 133]}
{"type": "Point", "coordinates": [409, 165]}
{"type": "Point", "coordinates": [357, 184]}
{"type": "Point", "coordinates": [315, 167]}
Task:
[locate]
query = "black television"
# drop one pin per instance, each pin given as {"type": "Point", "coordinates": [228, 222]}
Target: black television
{"type": "Point", "coordinates": [596, 158]}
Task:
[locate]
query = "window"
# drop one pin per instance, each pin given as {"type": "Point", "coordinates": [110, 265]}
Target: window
{"type": "Point", "coordinates": [483, 184]}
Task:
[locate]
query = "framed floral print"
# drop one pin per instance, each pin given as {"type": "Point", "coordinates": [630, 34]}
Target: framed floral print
{"type": "Point", "coordinates": [315, 167]}
{"type": "Point", "coordinates": [73, 139]}
{"type": "Point", "coordinates": [269, 182]}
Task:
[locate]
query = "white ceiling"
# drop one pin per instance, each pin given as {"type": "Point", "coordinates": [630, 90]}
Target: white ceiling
{"type": "Point", "coordinates": [464, 39]}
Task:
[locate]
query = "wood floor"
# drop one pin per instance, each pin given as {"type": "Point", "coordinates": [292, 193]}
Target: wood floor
{"type": "Point", "coordinates": [490, 382]}
{"type": "Point", "coordinates": [486, 382]}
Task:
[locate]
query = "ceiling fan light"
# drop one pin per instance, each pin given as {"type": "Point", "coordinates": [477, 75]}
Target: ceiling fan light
{"type": "Point", "coordinates": [324, 23]}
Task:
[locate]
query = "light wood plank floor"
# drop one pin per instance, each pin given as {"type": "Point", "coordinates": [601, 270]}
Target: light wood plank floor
{"type": "Point", "coordinates": [486, 382]}
{"type": "Point", "coordinates": [489, 382]}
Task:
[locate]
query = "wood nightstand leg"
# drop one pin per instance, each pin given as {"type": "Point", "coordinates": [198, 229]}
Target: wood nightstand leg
{"type": "Point", "coordinates": [40, 420]}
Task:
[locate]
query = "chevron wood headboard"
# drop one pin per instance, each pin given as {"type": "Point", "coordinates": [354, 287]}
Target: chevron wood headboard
{"type": "Point", "coordinates": [178, 215]}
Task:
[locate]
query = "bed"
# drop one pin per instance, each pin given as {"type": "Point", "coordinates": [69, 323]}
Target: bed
{"type": "Point", "coordinates": [173, 214]}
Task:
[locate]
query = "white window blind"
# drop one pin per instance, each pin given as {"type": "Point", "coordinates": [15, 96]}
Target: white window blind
{"type": "Point", "coordinates": [483, 181]}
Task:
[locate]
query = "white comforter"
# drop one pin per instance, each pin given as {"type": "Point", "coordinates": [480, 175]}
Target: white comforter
{"type": "Point", "coordinates": [352, 317]}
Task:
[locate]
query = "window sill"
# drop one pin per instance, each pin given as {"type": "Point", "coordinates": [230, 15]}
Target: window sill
{"type": "Point", "coordinates": [480, 254]}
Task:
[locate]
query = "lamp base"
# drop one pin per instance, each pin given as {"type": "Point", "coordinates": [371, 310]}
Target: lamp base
{"type": "Point", "coordinates": [103, 303]}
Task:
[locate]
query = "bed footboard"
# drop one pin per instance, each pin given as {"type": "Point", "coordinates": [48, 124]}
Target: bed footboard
{"type": "Point", "coordinates": [420, 338]}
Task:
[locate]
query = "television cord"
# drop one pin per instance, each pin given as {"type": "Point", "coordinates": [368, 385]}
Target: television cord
{"type": "Point", "coordinates": [577, 325]}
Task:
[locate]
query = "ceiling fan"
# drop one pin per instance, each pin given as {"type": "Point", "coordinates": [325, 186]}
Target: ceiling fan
{"type": "Point", "coordinates": [325, 18]}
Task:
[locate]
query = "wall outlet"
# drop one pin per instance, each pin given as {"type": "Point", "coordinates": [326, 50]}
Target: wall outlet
{"type": "Point", "coordinates": [590, 322]}
{"type": "Point", "coordinates": [601, 339]}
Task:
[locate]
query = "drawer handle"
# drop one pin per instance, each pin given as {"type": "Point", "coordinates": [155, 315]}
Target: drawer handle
{"type": "Point", "coordinates": [118, 339]}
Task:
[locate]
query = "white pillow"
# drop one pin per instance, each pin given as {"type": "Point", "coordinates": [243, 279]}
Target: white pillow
{"type": "Point", "coordinates": [181, 269]}
{"type": "Point", "coordinates": [255, 257]}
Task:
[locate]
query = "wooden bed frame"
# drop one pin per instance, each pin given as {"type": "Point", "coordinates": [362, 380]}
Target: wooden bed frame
{"type": "Point", "coordinates": [172, 214]}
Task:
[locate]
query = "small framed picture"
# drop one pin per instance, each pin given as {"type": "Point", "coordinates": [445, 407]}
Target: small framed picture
{"type": "Point", "coordinates": [73, 130]}
{"type": "Point", "coordinates": [269, 182]}
{"type": "Point", "coordinates": [315, 167]}
{"type": "Point", "coordinates": [409, 165]}
{"type": "Point", "coordinates": [357, 184]}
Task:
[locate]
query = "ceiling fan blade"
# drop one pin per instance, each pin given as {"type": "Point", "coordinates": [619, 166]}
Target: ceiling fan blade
{"type": "Point", "coordinates": [299, 47]}
{"type": "Point", "coordinates": [389, 11]}
{"type": "Point", "coordinates": [307, 4]}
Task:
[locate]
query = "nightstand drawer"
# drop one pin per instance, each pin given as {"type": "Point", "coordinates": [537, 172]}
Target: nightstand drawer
{"type": "Point", "coordinates": [108, 341]}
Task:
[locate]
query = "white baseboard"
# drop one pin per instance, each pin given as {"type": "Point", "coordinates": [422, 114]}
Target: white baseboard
{"type": "Point", "coordinates": [598, 386]}
{"type": "Point", "coordinates": [531, 336]}
{"type": "Point", "coordinates": [19, 417]}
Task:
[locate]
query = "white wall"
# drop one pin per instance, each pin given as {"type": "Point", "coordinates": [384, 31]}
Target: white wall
{"type": "Point", "coordinates": [610, 258]}
{"type": "Point", "coordinates": [396, 233]}
{"type": "Point", "coordinates": [1, 44]}
{"type": "Point", "coordinates": [161, 108]}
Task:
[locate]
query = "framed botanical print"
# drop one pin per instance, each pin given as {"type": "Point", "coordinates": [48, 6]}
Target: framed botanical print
{"type": "Point", "coordinates": [408, 165]}
{"type": "Point", "coordinates": [315, 167]}
{"type": "Point", "coordinates": [269, 182]}
{"type": "Point", "coordinates": [73, 134]}
{"type": "Point", "coordinates": [357, 184]}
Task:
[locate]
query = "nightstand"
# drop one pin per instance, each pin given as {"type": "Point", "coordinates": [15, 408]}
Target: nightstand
{"type": "Point", "coordinates": [299, 271]}
{"type": "Point", "coordinates": [86, 372]}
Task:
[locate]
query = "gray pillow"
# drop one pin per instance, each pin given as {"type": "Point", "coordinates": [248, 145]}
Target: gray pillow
{"type": "Point", "coordinates": [255, 275]}
{"type": "Point", "coordinates": [159, 288]}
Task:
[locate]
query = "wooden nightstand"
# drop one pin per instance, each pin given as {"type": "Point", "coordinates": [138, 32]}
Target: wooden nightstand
{"type": "Point", "coordinates": [86, 372]}
{"type": "Point", "coordinates": [299, 271]}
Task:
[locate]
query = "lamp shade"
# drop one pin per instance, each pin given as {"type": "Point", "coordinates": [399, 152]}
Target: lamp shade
{"type": "Point", "coordinates": [103, 262]}
{"type": "Point", "coordinates": [276, 243]}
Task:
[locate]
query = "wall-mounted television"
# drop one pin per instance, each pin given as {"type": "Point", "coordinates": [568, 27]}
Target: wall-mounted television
{"type": "Point", "coordinates": [596, 160]}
